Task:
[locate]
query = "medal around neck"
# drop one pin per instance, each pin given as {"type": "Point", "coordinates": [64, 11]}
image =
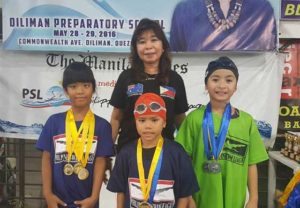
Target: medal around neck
{"type": "Point", "coordinates": [79, 142]}
{"type": "Point", "coordinates": [145, 205]}
{"type": "Point", "coordinates": [77, 168]}
{"type": "Point", "coordinates": [83, 174]}
{"type": "Point", "coordinates": [68, 169]}
{"type": "Point", "coordinates": [213, 145]}
{"type": "Point", "coordinates": [212, 166]}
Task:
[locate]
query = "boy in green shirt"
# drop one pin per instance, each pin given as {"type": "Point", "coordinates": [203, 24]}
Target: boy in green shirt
{"type": "Point", "coordinates": [223, 143]}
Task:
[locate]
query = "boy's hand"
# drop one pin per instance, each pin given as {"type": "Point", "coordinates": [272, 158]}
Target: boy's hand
{"type": "Point", "coordinates": [251, 204]}
{"type": "Point", "coordinates": [86, 203]}
{"type": "Point", "coordinates": [53, 201]}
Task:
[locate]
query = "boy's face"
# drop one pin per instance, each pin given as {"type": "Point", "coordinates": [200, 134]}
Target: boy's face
{"type": "Point", "coordinates": [221, 85]}
{"type": "Point", "coordinates": [149, 128]}
{"type": "Point", "coordinates": [80, 94]}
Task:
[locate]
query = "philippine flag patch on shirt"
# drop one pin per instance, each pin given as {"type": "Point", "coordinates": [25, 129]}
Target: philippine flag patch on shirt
{"type": "Point", "coordinates": [166, 91]}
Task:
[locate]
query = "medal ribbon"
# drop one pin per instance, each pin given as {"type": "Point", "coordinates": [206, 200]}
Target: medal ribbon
{"type": "Point", "coordinates": [213, 144]}
{"type": "Point", "coordinates": [155, 177]}
{"type": "Point", "coordinates": [78, 144]}
{"type": "Point", "coordinates": [154, 164]}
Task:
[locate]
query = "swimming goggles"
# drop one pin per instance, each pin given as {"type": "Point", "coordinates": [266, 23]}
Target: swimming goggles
{"type": "Point", "coordinates": [153, 106]}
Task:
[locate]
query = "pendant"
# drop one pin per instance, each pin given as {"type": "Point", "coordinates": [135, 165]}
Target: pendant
{"type": "Point", "coordinates": [83, 174]}
{"type": "Point", "coordinates": [145, 205]}
{"type": "Point", "coordinates": [68, 169]}
{"type": "Point", "coordinates": [212, 166]}
{"type": "Point", "coordinates": [77, 168]}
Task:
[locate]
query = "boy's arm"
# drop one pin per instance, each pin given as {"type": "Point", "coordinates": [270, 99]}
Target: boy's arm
{"type": "Point", "coordinates": [51, 199]}
{"type": "Point", "coordinates": [120, 200]}
{"type": "Point", "coordinates": [98, 176]}
{"type": "Point", "coordinates": [183, 202]}
{"type": "Point", "coordinates": [252, 186]}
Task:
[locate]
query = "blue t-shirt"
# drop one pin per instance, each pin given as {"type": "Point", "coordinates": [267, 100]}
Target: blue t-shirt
{"type": "Point", "coordinates": [191, 29]}
{"type": "Point", "coordinates": [176, 179]}
{"type": "Point", "coordinates": [52, 139]}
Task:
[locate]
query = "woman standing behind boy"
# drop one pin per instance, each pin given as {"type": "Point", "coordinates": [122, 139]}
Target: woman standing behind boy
{"type": "Point", "coordinates": [150, 72]}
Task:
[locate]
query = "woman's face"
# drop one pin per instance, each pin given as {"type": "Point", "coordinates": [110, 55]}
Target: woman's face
{"type": "Point", "coordinates": [149, 48]}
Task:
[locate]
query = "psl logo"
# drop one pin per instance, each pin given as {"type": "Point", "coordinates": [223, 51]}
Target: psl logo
{"type": "Point", "coordinates": [54, 97]}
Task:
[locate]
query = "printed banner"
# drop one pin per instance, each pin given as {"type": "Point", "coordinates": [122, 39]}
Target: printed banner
{"type": "Point", "coordinates": [289, 114]}
{"type": "Point", "coordinates": [31, 87]}
{"type": "Point", "coordinates": [290, 9]}
{"type": "Point", "coordinates": [107, 26]}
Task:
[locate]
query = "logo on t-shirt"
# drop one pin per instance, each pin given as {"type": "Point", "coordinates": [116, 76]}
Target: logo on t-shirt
{"type": "Point", "coordinates": [166, 91]}
{"type": "Point", "coordinates": [61, 154]}
{"type": "Point", "coordinates": [234, 151]}
{"type": "Point", "coordinates": [163, 197]}
{"type": "Point", "coordinates": [135, 89]}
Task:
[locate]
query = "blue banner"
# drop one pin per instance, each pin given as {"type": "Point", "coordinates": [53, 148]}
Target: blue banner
{"type": "Point", "coordinates": [107, 26]}
{"type": "Point", "coordinates": [290, 9]}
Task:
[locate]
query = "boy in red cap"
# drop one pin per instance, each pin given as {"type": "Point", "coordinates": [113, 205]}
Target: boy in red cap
{"type": "Point", "coordinates": [152, 171]}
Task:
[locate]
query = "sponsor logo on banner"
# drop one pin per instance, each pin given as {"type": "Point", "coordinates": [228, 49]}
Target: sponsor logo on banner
{"type": "Point", "coordinates": [54, 97]}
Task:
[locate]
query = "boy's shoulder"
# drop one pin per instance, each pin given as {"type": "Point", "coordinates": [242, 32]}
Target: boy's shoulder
{"type": "Point", "coordinates": [60, 115]}
{"type": "Point", "coordinates": [196, 112]}
{"type": "Point", "coordinates": [240, 114]}
{"type": "Point", "coordinates": [100, 119]}
{"type": "Point", "coordinates": [128, 148]}
{"type": "Point", "coordinates": [173, 147]}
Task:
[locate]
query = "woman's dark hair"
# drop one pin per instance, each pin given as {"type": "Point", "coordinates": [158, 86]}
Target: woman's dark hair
{"type": "Point", "coordinates": [165, 60]}
{"type": "Point", "coordinates": [78, 72]}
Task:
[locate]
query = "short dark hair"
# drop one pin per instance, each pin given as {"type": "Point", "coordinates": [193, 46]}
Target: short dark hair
{"type": "Point", "coordinates": [165, 60]}
{"type": "Point", "coordinates": [78, 72]}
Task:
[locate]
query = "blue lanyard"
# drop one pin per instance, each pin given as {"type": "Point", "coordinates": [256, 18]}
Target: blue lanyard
{"type": "Point", "coordinates": [213, 144]}
{"type": "Point", "coordinates": [155, 177]}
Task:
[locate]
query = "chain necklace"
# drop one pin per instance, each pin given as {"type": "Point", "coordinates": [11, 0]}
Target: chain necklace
{"type": "Point", "coordinates": [227, 23]}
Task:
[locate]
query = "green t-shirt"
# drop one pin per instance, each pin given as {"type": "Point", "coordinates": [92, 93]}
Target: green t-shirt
{"type": "Point", "coordinates": [243, 147]}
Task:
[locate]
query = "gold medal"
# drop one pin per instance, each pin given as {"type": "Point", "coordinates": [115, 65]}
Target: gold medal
{"type": "Point", "coordinates": [68, 169]}
{"type": "Point", "coordinates": [77, 168]}
{"type": "Point", "coordinates": [83, 174]}
{"type": "Point", "coordinates": [145, 205]}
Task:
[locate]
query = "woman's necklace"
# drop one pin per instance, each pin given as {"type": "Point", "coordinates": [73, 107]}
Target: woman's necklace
{"type": "Point", "coordinates": [227, 23]}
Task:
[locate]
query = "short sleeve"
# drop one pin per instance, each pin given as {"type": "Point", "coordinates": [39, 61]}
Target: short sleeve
{"type": "Point", "coordinates": [105, 146]}
{"type": "Point", "coordinates": [187, 178]}
{"type": "Point", "coordinates": [257, 150]}
{"type": "Point", "coordinates": [45, 139]}
{"type": "Point", "coordinates": [186, 135]}
{"type": "Point", "coordinates": [119, 176]}
{"type": "Point", "coordinates": [119, 93]}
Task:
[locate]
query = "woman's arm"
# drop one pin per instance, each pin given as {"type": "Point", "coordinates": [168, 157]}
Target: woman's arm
{"type": "Point", "coordinates": [120, 200]}
{"type": "Point", "coordinates": [179, 119]}
{"type": "Point", "coordinates": [252, 186]}
{"type": "Point", "coordinates": [115, 120]}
